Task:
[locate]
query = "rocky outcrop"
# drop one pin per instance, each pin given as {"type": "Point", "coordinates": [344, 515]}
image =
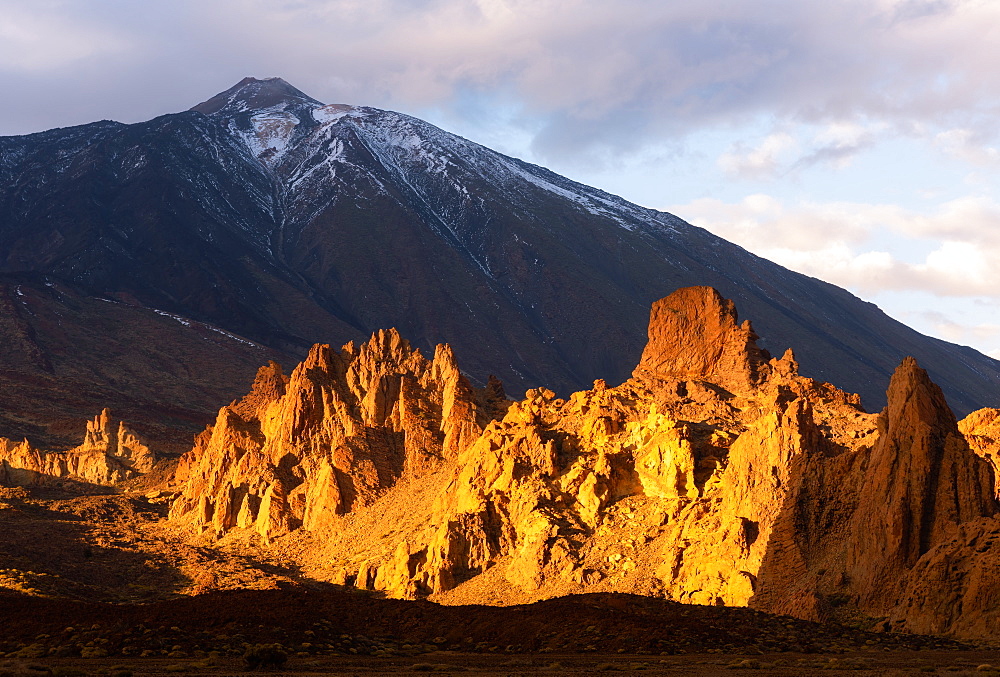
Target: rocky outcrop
{"type": "Point", "coordinates": [694, 334]}
{"type": "Point", "coordinates": [329, 439]}
{"type": "Point", "coordinates": [715, 475]}
{"type": "Point", "coordinates": [110, 453]}
{"type": "Point", "coordinates": [532, 502]}
{"type": "Point", "coordinates": [857, 527]}
{"type": "Point", "coordinates": [534, 489]}
{"type": "Point", "coordinates": [921, 481]}
{"type": "Point", "coordinates": [981, 429]}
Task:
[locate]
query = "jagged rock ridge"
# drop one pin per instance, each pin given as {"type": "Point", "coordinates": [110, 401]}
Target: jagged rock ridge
{"type": "Point", "coordinates": [715, 475]}
{"type": "Point", "coordinates": [330, 438]}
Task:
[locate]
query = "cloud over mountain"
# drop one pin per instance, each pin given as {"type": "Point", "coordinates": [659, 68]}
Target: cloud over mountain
{"type": "Point", "coordinates": [585, 76]}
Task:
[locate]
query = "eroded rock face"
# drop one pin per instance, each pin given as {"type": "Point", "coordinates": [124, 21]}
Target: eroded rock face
{"type": "Point", "coordinates": [532, 501]}
{"type": "Point", "coordinates": [327, 440]}
{"type": "Point", "coordinates": [110, 453]}
{"type": "Point", "coordinates": [857, 526]}
{"type": "Point", "coordinates": [921, 481]}
{"type": "Point", "coordinates": [715, 475]}
{"type": "Point", "coordinates": [694, 334]}
{"type": "Point", "coordinates": [981, 429]}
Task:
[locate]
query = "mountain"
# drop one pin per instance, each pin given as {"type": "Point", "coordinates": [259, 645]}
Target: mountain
{"type": "Point", "coordinates": [282, 221]}
{"type": "Point", "coordinates": [68, 354]}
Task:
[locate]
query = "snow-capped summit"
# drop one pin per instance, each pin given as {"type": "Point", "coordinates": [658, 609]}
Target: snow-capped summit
{"type": "Point", "coordinates": [275, 217]}
{"type": "Point", "coordinates": [251, 94]}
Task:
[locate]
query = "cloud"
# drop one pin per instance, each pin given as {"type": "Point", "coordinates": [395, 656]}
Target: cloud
{"type": "Point", "coordinates": [935, 270]}
{"type": "Point", "coordinates": [967, 145]}
{"type": "Point", "coordinates": [838, 144]}
{"type": "Point", "coordinates": [780, 153]}
{"type": "Point", "coordinates": [763, 161]}
{"type": "Point", "coordinates": [762, 222]}
{"type": "Point", "coordinates": [590, 77]}
{"type": "Point", "coordinates": [36, 42]}
{"type": "Point", "coordinates": [968, 333]}
{"type": "Point", "coordinates": [945, 326]}
{"type": "Point", "coordinates": [954, 248]}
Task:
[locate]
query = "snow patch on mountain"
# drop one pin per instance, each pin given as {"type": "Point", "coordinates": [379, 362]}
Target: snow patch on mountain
{"type": "Point", "coordinates": [331, 113]}
{"type": "Point", "coordinates": [316, 152]}
{"type": "Point", "coordinates": [271, 135]}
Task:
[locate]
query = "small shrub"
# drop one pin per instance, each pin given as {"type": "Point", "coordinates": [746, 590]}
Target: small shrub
{"type": "Point", "coordinates": [65, 650]}
{"type": "Point", "coordinates": [30, 651]}
{"type": "Point", "coordinates": [93, 652]}
{"type": "Point", "coordinates": [265, 656]}
{"type": "Point", "coordinates": [748, 664]}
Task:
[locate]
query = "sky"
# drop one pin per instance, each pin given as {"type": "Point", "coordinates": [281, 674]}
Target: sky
{"type": "Point", "coordinates": [853, 141]}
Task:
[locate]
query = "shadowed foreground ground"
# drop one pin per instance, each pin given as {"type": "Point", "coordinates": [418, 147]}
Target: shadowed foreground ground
{"type": "Point", "coordinates": [328, 630]}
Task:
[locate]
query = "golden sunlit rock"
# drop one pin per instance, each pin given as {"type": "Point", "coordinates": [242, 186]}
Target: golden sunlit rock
{"type": "Point", "coordinates": [715, 475]}
{"type": "Point", "coordinates": [110, 453]}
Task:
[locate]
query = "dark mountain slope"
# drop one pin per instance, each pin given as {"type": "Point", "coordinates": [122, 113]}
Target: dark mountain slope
{"type": "Point", "coordinates": [66, 355]}
{"type": "Point", "coordinates": [277, 218]}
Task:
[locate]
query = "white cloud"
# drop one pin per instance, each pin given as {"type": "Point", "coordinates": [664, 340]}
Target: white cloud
{"type": "Point", "coordinates": [838, 143]}
{"type": "Point", "coordinates": [762, 222]}
{"type": "Point", "coordinates": [764, 160]}
{"type": "Point", "coordinates": [945, 326]}
{"type": "Point", "coordinates": [835, 144]}
{"type": "Point", "coordinates": [938, 270]}
{"type": "Point", "coordinates": [36, 42]}
{"type": "Point", "coordinates": [833, 241]}
{"type": "Point", "coordinates": [967, 145]}
{"type": "Point", "coordinates": [974, 219]}
{"type": "Point", "coordinates": [587, 75]}
{"type": "Point", "coordinates": [984, 335]}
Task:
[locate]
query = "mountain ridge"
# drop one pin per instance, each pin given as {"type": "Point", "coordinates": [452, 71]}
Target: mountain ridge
{"type": "Point", "coordinates": [300, 223]}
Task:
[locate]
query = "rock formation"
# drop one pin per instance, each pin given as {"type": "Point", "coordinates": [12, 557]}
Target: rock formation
{"type": "Point", "coordinates": [981, 429]}
{"type": "Point", "coordinates": [110, 453]}
{"type": "Point", "coordinates": [857, 525]}
{"type": "Point", "coordinates": [921, 481]}
{"type": "Point", "coordinates": [694, 334]}
{"type": "Point", "coordinates": [299, 451]}
{"type": "Point", "coordinates": [715, 475]}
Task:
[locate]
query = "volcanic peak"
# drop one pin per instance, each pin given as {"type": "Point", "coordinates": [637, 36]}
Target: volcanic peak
{"type": "Point", "coordinates": [251, 94]}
